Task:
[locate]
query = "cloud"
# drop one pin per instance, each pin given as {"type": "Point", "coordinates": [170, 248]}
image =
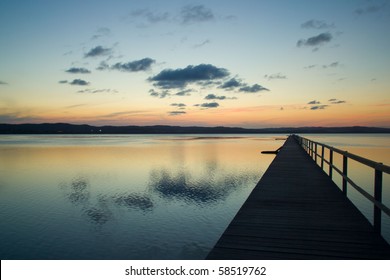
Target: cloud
{"type": "Point", "coordinates": [332, 65]}
{"type": "Point", "coordinates": [195, 14]}
{"type": "Point", "coordinates": [101, 32]}
{"type": "Point", "coordinates": [98, 51]}
{"type": "Point", "coordinates": [231, 84]}
{"type": "Point", "coordinates": [314, 102]}
{"type": "Point", "coordinates": [63, 82]}
{"type": "Point", "coordinates": [106, 90]}
{"type": "Point", "coordinates": [178, 104]}
{"type": "Point", "coordinates": [315, 40]}
{"type": "Point", "coordinates": [3, 83]}
{"type": "Point", "coordinates": [75, 70]}
{"type": "Point", "coordinates": [205, 42]}
{"type": "Point", "coordinates": [370, 9]}
{"type": "Point", "coordinates": [213, 97]}
{"type": "Point", "coordinates": [319, 107]}
{"type": "Point", "coordinates": [163, 94]}
{"type": "Point", "coordinates": [208, 105]}
{"type": "Point", "coordinates": [277, 76]}
{"type": "Point", "coordinates": [184, 92]}
{"type": "Point", "coordinates": [310, 66]}
{"type": "Point", "coordinates": [134, 66]}
{"type": "Point", "coordinates": [179, 78]}
{"type": "Point", "coordinates": [151, 17]}
{"type": "Point", "coordinates": [176, 113]}
{"type": "Point", "coordinates": [316, 24]}
{"type": "Point", "coordinates": [253, 89]}
{"type": "Point", "coordinates": [79, 82]}
{"type": "Point", "coordinates": [336, 101]}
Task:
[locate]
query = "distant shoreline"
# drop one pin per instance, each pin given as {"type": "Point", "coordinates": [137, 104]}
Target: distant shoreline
{"type": "Point", "coordinates": [65, 128]}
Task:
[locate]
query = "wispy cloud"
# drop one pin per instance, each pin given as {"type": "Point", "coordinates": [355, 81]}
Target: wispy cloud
{"type": "Point", "coordinates": [75, 70]}
{"type": "Point", "coordinates": [317, 24]}
{"type": "Point", "coordinates": [105, 90]}
{"type": "Point", "coordinates": [176, 113]}
{"type": "Point", "coordinates": [277, 76]}
{"type": "Point", "coordinates": [336, 101]}
{"type": "Point", "coordinates": [185, 92]}
{"type": "Point", "coordinates": [314, 102]}
{"type": "Point", "coordinates": [319, 107]}
{"type": "Point", "coordinates": [178, 104]}
{"type": "Point", "coordinates": [196, 14]}
{"type": "Point", "coordinates": [208, 105]}
{"type": "Point", "coordinates": [371, 9]}
{"type": "Point", "coordinates": [205, 42]}
{"type": "Point", "coordinates": [98, 51]}
{"type": "Point", "coordinates": [148, 17]}
{"type": "Point", "coordinates": [101, 32]}
{"type": "Point", "coordinates": [3, 83]}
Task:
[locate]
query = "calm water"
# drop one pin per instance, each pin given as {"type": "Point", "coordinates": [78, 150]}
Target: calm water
{"type": "Point", "coordinates": [123, 196]}
{"type": "Point", "coordinates": [136, 197]}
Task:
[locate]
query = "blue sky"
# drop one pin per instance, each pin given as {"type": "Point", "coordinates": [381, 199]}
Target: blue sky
{"type": "Point", "coordinates": [232, 63]}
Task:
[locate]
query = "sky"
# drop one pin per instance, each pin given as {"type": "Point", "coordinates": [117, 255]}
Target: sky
{"type": "Point", "coordinates": [252, 64]}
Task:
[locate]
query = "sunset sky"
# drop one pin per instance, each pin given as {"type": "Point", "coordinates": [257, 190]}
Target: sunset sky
{"type": "Point", "coordinates": [212, 63]}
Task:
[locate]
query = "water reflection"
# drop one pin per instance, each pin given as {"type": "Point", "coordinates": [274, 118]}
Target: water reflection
{"type": "Point", "coordinates": [134, 201]}
{"type": "Point", "coordinates": [208, 188]}
{"type": "Point", "coordinates": [77, 191]}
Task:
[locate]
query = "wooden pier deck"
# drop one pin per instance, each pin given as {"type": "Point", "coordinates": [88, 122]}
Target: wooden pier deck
{"type": "Point", "coordinates": [297, 212]}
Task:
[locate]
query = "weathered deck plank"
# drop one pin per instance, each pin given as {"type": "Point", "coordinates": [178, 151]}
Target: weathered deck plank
{"type": "Point", "coordinates": [297, 212]}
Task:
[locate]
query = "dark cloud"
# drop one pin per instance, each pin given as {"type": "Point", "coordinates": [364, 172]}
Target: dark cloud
{"type": "Point", "coordinates": [319, 107]}
{"type": "Point", "coordinates": [317, 24]}
{"type": "Point", "coordinates": [179, 78]}
{"type": "Point", "coordinates": [75, 70]}
{"type": "Point", "coordinates": [370, 9]}
{"type": "Point", "coordinates": [231, 84]}
{"type": "Point", "coordinates": [163, 94]}
{"type": "Point", "coordinates": [315, 40]}
{"type": "Point", "coordinates": [3, 83]}
{"type": "Point", "coordinates": [314, 102]}
{"type": "Point", "coordinates": [184, 92]}
{"type": "Point", "coordinates": [208, 105]}
{"type": "Point", "coordinates": [178, 104]}
{"type": "Point", "coordinates": [63, 82]}
{"type": "Point", "coordinates": [277, 76]}
{"type": "Point", "coordinates": [134, 66]}
{"type": "Point", "coordinates": [195, 14]}
{"type": "Point", "coordinates": [79, 82]}
{"type": "Point", "coordinates": [253, 89]}
{"type": "Point", "coordinates": [214, 97]}
{"type": "Point", "coordinates": [176, 113]}
{"type": "Point", "coordinates": [98, 51]}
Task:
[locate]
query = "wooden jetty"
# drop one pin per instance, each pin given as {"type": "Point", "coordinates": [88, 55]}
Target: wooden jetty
{"type": "Point", "coordinates": [297, 212]}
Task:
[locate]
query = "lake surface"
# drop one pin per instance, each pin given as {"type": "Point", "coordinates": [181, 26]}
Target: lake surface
{"type": "Point", "coordinates": [137, 196]}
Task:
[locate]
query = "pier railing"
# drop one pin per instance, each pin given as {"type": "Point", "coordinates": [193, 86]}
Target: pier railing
{"type": "Point", "coordinates": [317, 151]}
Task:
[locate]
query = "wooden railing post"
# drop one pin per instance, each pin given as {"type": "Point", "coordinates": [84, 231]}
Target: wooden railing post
{"type": "Point", "coordinates": [378, 197]}
{"type": "Point", "coordinates": [331, 164]}
{"type": "Point", "coordinates": [345, 173]}
{"type": "Point", "coordinates": [322, 157]}
{"type": "Point", "coordinates": [315, 152]}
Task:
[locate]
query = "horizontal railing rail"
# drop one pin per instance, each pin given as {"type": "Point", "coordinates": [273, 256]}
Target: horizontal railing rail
{"type": "Point", "coordinates": [313, 147]}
